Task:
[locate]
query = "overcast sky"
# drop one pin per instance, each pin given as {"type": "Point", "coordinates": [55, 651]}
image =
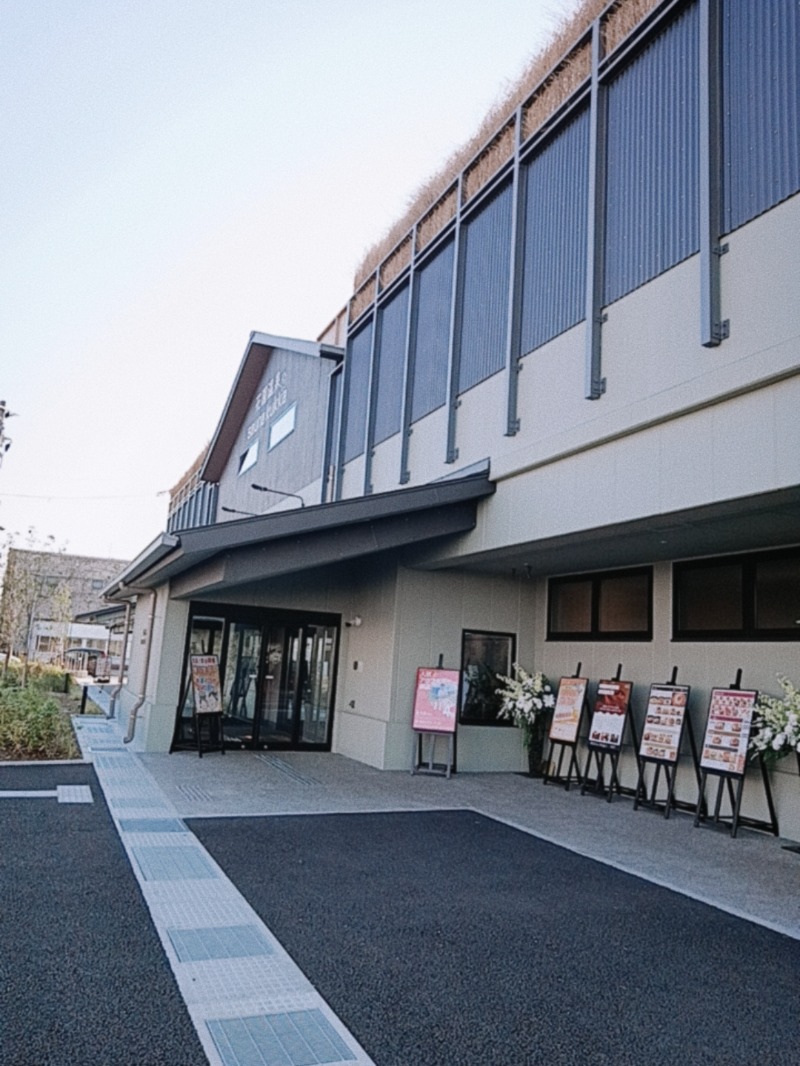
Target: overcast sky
{"type": "Point", "coordinates": [177, 173]}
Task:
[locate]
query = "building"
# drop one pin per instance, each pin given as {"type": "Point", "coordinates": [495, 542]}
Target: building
{"type": "Point", "coordinates": [43, 592]}
{"type": "Point", "coordinates": [561, 427]}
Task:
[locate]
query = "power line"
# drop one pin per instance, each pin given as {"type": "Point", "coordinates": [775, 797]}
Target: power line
{"type": "Point", "coordinates": [30, 496]}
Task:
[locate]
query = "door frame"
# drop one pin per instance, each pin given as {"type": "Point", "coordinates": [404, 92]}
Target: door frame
{"type": "Point", "coordinates": [263, 617]}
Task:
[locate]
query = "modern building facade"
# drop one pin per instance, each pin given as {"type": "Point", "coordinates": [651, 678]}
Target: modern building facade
{"type": "Point", "coordinates": [43, 591]}
{"type": "Point", "coordinates": [561, 426]}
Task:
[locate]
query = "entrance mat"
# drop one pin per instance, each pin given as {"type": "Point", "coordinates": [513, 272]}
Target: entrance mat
{"type": "Point", "coordinates": [446, 938]}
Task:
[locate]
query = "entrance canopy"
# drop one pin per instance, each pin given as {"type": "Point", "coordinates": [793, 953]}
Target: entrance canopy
{"type": "Point", "coordinates": [230, 554]}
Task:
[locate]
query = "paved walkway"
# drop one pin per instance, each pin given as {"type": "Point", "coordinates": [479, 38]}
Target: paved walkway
{"type": "Point", "coordinates": [249, 1002]}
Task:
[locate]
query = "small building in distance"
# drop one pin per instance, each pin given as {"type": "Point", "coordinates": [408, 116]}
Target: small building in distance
{"type": "Point", "coordinates": [43, 592]}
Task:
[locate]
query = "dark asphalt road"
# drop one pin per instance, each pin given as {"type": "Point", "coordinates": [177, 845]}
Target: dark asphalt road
{"type": "Point", "coordinates": [83, 977]}
{"type": "Point", "coordinates": [447, 939]}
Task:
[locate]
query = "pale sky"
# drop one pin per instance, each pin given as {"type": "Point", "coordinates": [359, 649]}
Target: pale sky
{"type": "Point", "coordinates": [177, 173]}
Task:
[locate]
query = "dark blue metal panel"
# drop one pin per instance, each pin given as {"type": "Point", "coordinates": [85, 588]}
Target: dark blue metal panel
{"type": "Point", "coordinates": [652, 160]}
{"type": "Point", "coordinates": [554, 265]}
{"type": "Point", "coordinates": [391, 360]}
{"type": "Point", "coordinates": [487, 273]}
{"type": "Point", "coordinates": [430, 351]}
{"type": "Point", "coordinates": [359, 349]}
{"type": "Point", "coordinates": [761, 106]}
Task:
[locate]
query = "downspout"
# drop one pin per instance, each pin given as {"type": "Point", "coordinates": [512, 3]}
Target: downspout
{"type": "Point", "coordinates": [137, 706]}
{"type": "Point", "coordinates": [118, 689]}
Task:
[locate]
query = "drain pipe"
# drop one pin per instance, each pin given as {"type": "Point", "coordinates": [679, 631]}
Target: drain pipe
{"type": "Point", "coordinates": [137, 706]}
{"type": "Point", "coordinates": [115, 694]}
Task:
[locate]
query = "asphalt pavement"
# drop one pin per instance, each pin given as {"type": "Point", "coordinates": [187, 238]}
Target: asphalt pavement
{"type": "Point", "coordinates": [84, 980]}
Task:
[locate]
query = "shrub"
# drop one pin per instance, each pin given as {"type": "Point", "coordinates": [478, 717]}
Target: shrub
{"type": "Point", "coordinates": [33, 727]}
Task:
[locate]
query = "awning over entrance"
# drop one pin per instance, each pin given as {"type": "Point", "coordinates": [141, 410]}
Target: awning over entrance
{"type": "Point", "coordinates": [229, 554]}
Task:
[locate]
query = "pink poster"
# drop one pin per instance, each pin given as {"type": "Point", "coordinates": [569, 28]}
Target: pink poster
{"type": "Point", "coordinates": [567, 713]}
{"type": "Point", "coordinates": [730, 715]}
{"type": "Point", "coordinates": [435, 700]}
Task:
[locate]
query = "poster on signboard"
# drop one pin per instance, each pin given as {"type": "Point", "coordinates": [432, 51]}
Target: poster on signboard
{"type": "Point", "coordinates": [567, 711]}
{"type": "Point", "coordinates": [205, 684]}
{"type": "Point", "coordinates": [435, 700]}
{"type": "Point", "coordinates": [730, 715]}
{"type": "Point", "coordinates": [663, 723]}
{"type": "Point", "coordinates": [610, 714]}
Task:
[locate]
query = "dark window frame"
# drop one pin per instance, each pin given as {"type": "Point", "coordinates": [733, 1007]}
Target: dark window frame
{"type": "Point", "coordinates": [491, 720]}
{"type": "Point", "coordinates": [596, 579]}
{"type": "Point", "coordinates": [748, 631]}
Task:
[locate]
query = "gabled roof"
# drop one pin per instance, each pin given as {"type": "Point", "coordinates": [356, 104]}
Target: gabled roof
{"type": "Point", "coordinates": [236, 553]}
{"type": "Point", "coordinates": [256, 356]}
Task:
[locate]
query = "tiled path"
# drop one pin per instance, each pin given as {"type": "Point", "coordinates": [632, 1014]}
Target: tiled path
{"type": "Point", "coordinates": [249, 1002]}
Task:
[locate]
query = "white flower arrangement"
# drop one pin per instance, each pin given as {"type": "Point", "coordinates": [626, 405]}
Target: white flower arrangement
{"type": "Point", "coordinates": [524, 696]}
{"type": "Point", "coordinates": [777, 721]}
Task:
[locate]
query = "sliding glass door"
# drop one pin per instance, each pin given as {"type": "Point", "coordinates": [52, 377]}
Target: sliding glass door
{"type": "Point", "coordinates": [278, 672]}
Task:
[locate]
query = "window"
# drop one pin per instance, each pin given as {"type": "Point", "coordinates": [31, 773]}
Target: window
{"type": "Point", "coordinates": [738, 597]}
{"type": "Point", "coordinates": [483, 657]}
{"type": "Point", "coordinates": [554, 264]}
{"type": "Point", "coordinates": [390, 370]}
{"type": "Point", "coordinates": [282, 427]}
{"type": "Point", "coordinates": [652, 162]}
{"type": "Point", "coordinates": [431, 344]}
{"type": "Point", "coordinates": [615, 605]}
{"type": "Point", "coordinates": [359, 349]}
{"type": "Point", "coordinates": [248, 458]}
{"type": "Point", "coordinates": [761, 102]}
{"type": "Point", "coordinates": [487, 273]}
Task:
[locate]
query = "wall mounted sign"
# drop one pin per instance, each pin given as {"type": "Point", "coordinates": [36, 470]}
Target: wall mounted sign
{"type": "Point", "coordinates": [610, 714]}
{"type": "Point", "coordinates": [730, 716]}
{"type": "Point", "coordinates": [205, 684]}
{"type": "Point", "coordinates": [435, 700]}
{"type": "Point", "coordinates": [567, 712]}
{"type": "Point", "coordinates": [663, 722]}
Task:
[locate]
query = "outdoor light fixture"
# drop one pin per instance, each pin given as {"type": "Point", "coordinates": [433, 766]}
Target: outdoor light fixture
{"type": "Point", "coordinates": [355, 621]}
{"type": "Point", "coordinates": [233, 510]}
{"type": "Point", "coordinates": [278, 492]}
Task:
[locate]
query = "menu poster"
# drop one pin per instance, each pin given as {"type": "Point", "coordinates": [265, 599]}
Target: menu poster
{"type": "Point", "coordinates": [610, 714]}
{"type": "Point", "coordinates": [567, 711]}
{"type": "Point", "coordinates": [663, 722]}
{"type": "Point", "coordinates": [730, 715]}
{"type": "Point", "coordinates": [205, 684]}
{"type": "Point", "coordinates": [435, 700]}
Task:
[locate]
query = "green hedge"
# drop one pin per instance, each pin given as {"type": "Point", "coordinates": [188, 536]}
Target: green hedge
{"type": "Point", "coordinates": [32, 726]}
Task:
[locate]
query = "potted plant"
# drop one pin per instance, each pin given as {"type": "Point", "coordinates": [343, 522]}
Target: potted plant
{"type": "Point", "coordinates": [777, 725]}
{"type": "Point", "coordinates": [527, 700]}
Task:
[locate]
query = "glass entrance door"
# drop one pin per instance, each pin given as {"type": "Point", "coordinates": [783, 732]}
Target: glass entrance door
{"type": "Point", "coordinates": [298, 685]}
{"type": "Point", "coordinates": [240, 686]}
{"type": "Point", "coordinates": [278, 672]}
{"type": "Point", "coordinates": [316, 690]}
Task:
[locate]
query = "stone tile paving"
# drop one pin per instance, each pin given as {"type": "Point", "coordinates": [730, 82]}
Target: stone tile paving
{"type": "Point", "coordinates": [248, 1000]}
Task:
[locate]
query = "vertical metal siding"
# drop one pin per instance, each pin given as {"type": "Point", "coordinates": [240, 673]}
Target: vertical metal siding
{"type": "Point", "coordinates": [761, 106]}
{"type": "Point", "coordinates": [652, 161]}
{"type": "Point", "coordinates": [554, 263]}
{"type": "Point", "coordinates": [355, 413]}
{"type": "Point", "coordinates": [391, 360]}
{"type": "Point", "coordinates": [433, 289]}
{"type": "Point", "coordinates": [487, 273]}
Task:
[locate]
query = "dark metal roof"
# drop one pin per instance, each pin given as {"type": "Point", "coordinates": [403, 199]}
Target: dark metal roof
{"type": "Point", "coordinates": [244, 550]}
